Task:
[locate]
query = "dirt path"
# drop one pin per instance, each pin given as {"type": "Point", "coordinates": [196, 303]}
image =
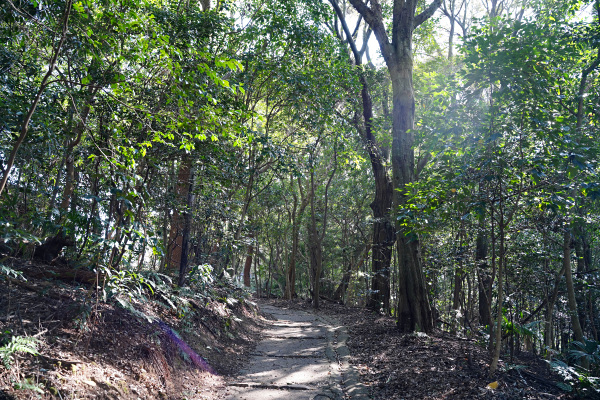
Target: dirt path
{"type": "Point", "coordinates": [302, 356]}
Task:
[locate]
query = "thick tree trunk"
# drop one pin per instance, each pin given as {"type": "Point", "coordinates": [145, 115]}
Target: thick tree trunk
{"type": "Point", "coordinates": [69, 182]}
{"type": "Point", "coordinates": [383, 240]}
{"type": "Point", "coordinates": [383, 229]}
{"type": "Point", "coordinates": [414, 310]}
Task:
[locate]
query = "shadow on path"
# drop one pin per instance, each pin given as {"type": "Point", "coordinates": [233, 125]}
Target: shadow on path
{"type": "Point", "coordinates": [302, 356]}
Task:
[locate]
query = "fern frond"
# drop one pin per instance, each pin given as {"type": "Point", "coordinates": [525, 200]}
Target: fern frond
{"type": "Point", "coordinates": [18, 344]}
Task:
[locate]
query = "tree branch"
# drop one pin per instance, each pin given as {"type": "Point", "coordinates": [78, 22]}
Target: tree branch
{"type": "Point", "coordinates": [349, 36]}
{"type": "Point", "coordinates": [374, 17]}
{"type": "Point", "coordinates": [425, 15]}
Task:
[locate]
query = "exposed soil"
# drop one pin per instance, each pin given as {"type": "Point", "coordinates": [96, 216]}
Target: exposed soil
{"type": "Point", "coordinates": [89, 349]}
{"type": "Point", "coordinates": [438, 366]}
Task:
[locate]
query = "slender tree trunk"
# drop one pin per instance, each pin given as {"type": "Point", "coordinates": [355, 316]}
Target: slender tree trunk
{"type": "Point", "coordinates": [577, 331]}
{"type": "Point", "coordinates": [248, 263]}
{"type": "Point", "coordinates": [485, 297]}
{"type": "Point", "coordinates": [256, 274]}
{"type": "Point", "coordinates": [297, 213]}
{"type": "Point", "coordinates": [458, 271]}
{"type": "Point", "coordinates": [290, 287]}
{"type": "Point", "coordinates": [182, 187]}
{"type": "Point", "coordinates": [451, 37]}
{"type": "Point", "coordinates": [583, 256]}
{"type": "Point", "coordinates": [316, 236]}
{"type": "Point", "coordinates": [548, 322]}
{"type": "Point", "coordinates": [340, 292]}
{"type": "Point", "coordinates": [316, 265]}
{"type": "Point", "coordinates": [592, 312]}
{"type": "Point", "coordinates": [70, 146]}
{"type": "Point", "coordinates": [95, 187]}
{"type": "Point", "coordinates": [187, 228]}
{"type": "Point", "coordinates": [499, 315]}
{"type": "Point", "coordinates": [314, 245]}
{"type": "Point", "coordinates": [56, 188]}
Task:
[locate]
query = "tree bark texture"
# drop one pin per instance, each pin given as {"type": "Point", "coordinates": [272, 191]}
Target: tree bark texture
{"type": "Point", "coordinates": [187, 228]}
{"type": "Point", "coordinates": [177, 221]}
{"type": "Point", "coordinates": [414, 310]}
{"type": "Point", "coordinates": [383, 229]}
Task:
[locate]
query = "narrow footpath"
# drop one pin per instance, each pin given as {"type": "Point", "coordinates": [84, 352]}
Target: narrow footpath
{"type": "Point", "coordinates": [302, 356]}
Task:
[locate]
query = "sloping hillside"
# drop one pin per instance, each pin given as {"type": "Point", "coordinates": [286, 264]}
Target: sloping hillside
{"type": "Point", "coordinates": [148, 340]}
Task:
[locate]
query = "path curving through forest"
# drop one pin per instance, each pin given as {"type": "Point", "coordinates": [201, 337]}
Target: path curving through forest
{"type": "Point", "coordinates": [302, 355]}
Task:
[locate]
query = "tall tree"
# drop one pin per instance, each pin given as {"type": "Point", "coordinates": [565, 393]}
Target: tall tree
{"type": "Point", "coordinates": [414, 310]}
{"type": "Point", "coordinates": [383, 228]}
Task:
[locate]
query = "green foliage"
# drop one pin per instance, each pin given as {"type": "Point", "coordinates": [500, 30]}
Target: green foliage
{"type": "Point", "coordinates": [530, 330]}
{"type": "Point", "coordinates": [16, 238]}
{"type": "Point", "coordinates": [588, 353]}
{"type": "Point", "coordinates": [16, 344]}
{"type": "Point", "coordinates": [575, 379]}
{"type": "Point", "coordinates": [29, 384]}
{"type": "Point", "coordinates": [585, 381]}
{"type": "Point", "coordinates": [126, 283]}
{"type": "Point", "coordinates": [260, 99]}
{"type": "Point", "coordinates": [202, 275]}
{"type": "Point", "coordinates": [6, 271]}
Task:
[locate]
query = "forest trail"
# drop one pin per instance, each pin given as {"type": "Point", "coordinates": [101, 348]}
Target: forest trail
{"type": "Point", "coordinates": [302, 356]}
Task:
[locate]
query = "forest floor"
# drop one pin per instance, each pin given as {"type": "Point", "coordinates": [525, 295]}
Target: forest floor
{"type": "Point", "coordinates": [93, 350]}
{"type": "Point", "coordinates": [89, 349]}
